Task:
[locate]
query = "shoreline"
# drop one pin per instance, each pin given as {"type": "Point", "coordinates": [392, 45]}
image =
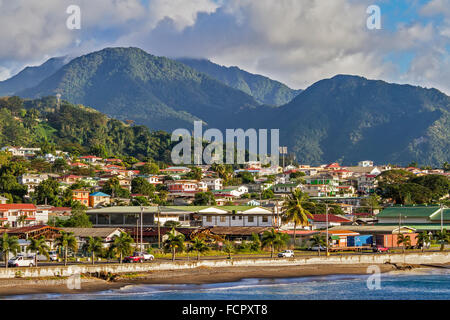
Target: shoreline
{"type": "Point", "coordinates": [200, 275]}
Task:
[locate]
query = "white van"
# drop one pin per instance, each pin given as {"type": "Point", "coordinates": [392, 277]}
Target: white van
{"type": "Point", "coordinates": [21, 261]}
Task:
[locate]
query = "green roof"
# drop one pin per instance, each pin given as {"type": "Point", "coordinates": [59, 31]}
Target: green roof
{"type": "Point", "coordinates": [437, 216]}
{"type": "Point", "coordinates": [411, 211]}
{"type": "Point", "coordinates": [429, 227]}
{"type": "Point", "coordinates": [286, 185]}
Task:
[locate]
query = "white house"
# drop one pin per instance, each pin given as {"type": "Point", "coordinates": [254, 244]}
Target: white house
{"type": "Point", "coordinates": [286, 187]}
{"type": "Point", "coordinates": [32, 180]}
{"type": "Point", "coordinates": [229, 216]}
{"type": "Point", "coordinates": [21, 151]}
{"type": "Point", "coordinates": [213, 183]}
{"type": "Point", "coordinates": [365, 163]}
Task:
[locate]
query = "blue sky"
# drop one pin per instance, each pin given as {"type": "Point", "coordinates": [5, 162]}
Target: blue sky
{"type": "Point", "coordinates": [297, 42]}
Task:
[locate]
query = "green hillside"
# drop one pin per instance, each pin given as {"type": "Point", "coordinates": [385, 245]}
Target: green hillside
{"type": "Point", "coordinates": [128, 83]}
{"type": "Point", "coordinates": [76, 129]}
{"type": "Point", "coordinates": [349, 118]}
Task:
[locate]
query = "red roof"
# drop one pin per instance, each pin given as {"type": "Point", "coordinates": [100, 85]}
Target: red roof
{"type": "Point", "coordinates": [18, 206]}
{"type": "Point", "coordinates": [331, 218]}
{"type": "Point", "coordinates": [333, 165]}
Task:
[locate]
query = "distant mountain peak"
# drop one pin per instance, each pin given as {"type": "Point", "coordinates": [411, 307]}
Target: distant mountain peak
{"type": "Point", "coordinates": [263, 89]}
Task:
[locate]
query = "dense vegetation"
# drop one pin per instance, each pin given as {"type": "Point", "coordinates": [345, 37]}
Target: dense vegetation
{"type": "Point", "coordinates": [343, 119]}
{"type": "Point", "coordinates": [347, 118]}
{"type": "Point", "coordinates": [263, 89]}
{"type": "Point", "coordinates": [128, 83]}
{"type": "Point", "coordinates": [76, 129]}
{"type": "Point", "coordinates": [403, 187]}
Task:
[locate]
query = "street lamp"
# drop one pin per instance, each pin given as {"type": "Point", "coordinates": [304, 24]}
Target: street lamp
{"type": "Point", "coordinates": [326, 217]}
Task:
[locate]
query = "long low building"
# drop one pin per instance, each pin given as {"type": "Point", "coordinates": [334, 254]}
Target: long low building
{"type": "Point", "coordinates": [187, 216]}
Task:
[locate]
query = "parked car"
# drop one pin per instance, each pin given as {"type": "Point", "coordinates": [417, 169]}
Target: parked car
{"type": "Point", "coordinates": [21, 261]}
{"type": "Point", "coordinates": [138, 257]}
{"type": "Point", "coordinates": [380, 249]}
{"type": "Point", "coordinates": [286, 254]}
{"type": "Point", "coordinates": [147, 256]}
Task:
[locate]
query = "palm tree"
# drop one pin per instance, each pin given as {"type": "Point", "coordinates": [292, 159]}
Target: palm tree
{"type": "Point", "coordinates": [403, 240]}
{"type": "Point", "coordinates": [38, 246]}
{"type": "Point", "coordinates": [93, 245]}
{"type": "Point", "coordinates": [122, 245]}
{"type": "Point", "coordinates": [423, 239]}
{"type": "Point", "coordinates": [443, 237]}
{"type": "Point", "coordinates": [293, 210]}
{"type": "Point", "coordinates": [174, 242]}
{"type": "Point", "coordinates": [281, 240]}
{"type": "Point", "coordinates": [199, 246]}
{"type": "Point", "coordinates": [65, 242]}
{"type": "Point", "coordinates": [21, 220]}
{"type": "Point", "coordinates": [8, 244]}
{"type": "Point", "coordinates": [256, 243]}
{"type": "Point", "coordinates": [269, 238]}
{"type": "Point", "coordinates": [229, 248]}
{"type": "Point", "coordinates": [318, 240]}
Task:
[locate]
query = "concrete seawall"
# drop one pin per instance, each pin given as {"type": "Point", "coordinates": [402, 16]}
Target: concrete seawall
{"type": "Point", "coordinates": [410, 258]}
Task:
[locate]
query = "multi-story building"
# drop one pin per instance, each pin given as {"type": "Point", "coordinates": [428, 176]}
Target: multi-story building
{"type": "Point", "coordinates": [97, 199]}
{"type": "Point", "coordinates": [367, 184]}
{"type": "Point", "coordinates": [236, 216]}
{"type": "Point", "coordinates": [213, 183]}
{"type": "Point", "coordinates": [81, 196]}
{"type": "Point", "coordinates": [10, 213]}
{"type": "Point", "coordinates": [32, 181]}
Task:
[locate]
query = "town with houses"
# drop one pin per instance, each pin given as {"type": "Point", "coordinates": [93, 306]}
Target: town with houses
{"type": "Point", "coordinates": [148, 200]}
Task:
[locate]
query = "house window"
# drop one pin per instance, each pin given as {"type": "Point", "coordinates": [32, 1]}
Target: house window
{"type": "Point", "coordinates": [234, 218]}
{"type": "Point", "coordinates": [251, 219]}
{"type": "Point", "coordinates": [223, 219]}
{"type": "Point", "coordinates": [208, 219]}
{"type": "Point", "coordinates": [240, 217]}
{"type": "Point", "coordinates": [265, 219]}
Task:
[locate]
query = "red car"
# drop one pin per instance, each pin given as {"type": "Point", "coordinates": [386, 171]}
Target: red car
{"type": "Point", "coordinates": [134, 259]}
{"type": "Point", "coordinates": [380, 249]}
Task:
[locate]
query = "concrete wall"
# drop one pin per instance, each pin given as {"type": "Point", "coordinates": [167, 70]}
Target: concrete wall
{"type": "Point", "coordinates": [411, 258]}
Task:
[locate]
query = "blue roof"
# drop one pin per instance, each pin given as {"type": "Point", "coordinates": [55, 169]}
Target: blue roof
{"type": "Point", "coordinates": [99, 194]}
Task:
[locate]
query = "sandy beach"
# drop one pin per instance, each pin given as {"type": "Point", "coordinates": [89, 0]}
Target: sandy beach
{"type": "Point", "coordinates": [199, 275]}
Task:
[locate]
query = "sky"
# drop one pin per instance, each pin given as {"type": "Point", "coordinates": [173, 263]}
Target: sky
{"type": "Point", "coordinates": [297, 42]}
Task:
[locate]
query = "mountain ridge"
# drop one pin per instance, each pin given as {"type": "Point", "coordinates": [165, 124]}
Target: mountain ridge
{"type": "Point", "coordinates": [345, 118]}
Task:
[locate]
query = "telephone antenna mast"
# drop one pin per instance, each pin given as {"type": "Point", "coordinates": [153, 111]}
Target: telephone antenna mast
{"type": "Point", "coordinates": [58, 101]}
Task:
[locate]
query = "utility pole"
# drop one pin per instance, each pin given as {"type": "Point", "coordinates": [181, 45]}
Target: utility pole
{"type": "Point", "coordinates": [326, 216]}
{"type": "Point", "coordinates": [142, 218]}
{"type": "Point", "coordinates": [159, 230]}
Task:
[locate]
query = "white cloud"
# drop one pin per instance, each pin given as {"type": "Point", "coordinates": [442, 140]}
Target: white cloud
{"type": "Point", "coordinates": [295, 41]}
{"type": "Point", "coordinates": [183, 13]}
{"type": "Point", "coordinates": [4, 73]}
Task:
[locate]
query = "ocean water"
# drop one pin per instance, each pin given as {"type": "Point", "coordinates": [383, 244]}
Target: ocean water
{"type": "Point", "coordinates": [430, 284]}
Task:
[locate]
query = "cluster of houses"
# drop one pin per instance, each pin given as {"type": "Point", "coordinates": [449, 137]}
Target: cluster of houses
{"type": "Point", "coordinates": [238, 211]}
